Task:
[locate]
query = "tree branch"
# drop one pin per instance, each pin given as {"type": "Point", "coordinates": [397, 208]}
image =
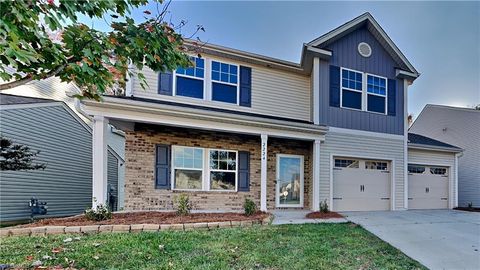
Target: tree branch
{"type": "Point", "coordinates": [29, 78]}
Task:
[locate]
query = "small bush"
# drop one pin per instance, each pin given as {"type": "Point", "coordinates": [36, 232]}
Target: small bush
{"type": "Point", "coordinates": [183, 205]}
{"type": "Point", "coordinates": [249, 207]}
{"type": "Point", "coordinates": [324, 207]}
{"type": "Point", "coordinates": [102, 212]}
{"type": "Point", "coordinates": [470, 205]}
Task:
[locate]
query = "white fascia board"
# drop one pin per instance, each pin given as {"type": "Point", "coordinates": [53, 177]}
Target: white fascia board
{"type": "Point", "coordinates": [163, 116]}
{"type": "Point", "coordinates": [353, 23]}
{"type": "Point", "coordinates": [250, 57]}
{"type": "Point", "coordinates": [402, 74]}
{"type": "Point", "coordinates": [433, 148]}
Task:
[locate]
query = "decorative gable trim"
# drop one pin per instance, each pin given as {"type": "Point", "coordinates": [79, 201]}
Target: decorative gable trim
{"type": "Point", "coordinates": [376, 30]}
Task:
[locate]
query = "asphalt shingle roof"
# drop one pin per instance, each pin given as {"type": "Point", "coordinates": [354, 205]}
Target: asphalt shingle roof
{"type": "Point", "coordinates": [7, 99]}
{"type": "Point", "coordinates": [422, 140]}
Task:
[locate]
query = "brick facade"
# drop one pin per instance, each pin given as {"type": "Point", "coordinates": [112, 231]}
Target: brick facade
{"type": "Point", "coordinates": [140, 192]}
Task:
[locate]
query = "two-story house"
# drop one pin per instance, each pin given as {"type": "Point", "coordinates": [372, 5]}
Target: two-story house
{"type": "Point", "coordinates": [239, 125]}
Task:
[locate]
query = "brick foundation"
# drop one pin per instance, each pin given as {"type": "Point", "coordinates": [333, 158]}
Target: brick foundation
{"type": "Point", "coordinates": [140, 192]}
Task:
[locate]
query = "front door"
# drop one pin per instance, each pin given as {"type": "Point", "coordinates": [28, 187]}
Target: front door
{"type": "Point", "coordinates": [289, 181]}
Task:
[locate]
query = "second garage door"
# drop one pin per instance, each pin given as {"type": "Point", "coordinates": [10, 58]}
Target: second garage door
{"type": "Point", "coordinates": [361, 185]}
{"type": "Point", "coordinates": [427, 187]}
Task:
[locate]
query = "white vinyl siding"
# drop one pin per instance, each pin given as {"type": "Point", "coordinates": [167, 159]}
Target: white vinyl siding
{"type": "Point", "coordinates": [362, 147]}
{"type": "Point", "coordinates": [459, 127]}
{"type": "Point", "coordinates": [436, 159]}
{"type": "Point", "coordinates": [274, 92]}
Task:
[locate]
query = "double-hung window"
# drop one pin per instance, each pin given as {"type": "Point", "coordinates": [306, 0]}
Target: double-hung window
{"type": "Point", "coordinates": [352, 82]}
{"type": "Point", "coordinates": [188, 168]}
{"type": "Point", "coordinates": [189, 81]}
{"type": "Point", "coordinates": [376, 94]}
{"type": "Point", "coordinates": [223, 170]}
{"type": "Point", "coordinates": [224, 82]}
{"type": "Point", "coordinates": [363, 91]}
{"type": "Point", "coordinates": [190, 172]}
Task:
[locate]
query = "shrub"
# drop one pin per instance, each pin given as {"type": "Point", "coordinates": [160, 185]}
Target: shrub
{"type": "Point", "coordinates": [183, 205]}
{"type": "Point", "coordinates": [102, 212]}
{"type": "Point", "coordinates": [249, 207]}
{"type": "Point", "coordinates": [470, 205]}
{"type": "Point", "coordinates": [324, 207]}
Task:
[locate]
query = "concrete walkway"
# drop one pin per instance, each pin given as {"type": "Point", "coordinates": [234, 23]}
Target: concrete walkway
{"type": "Point", "coordinates": [298, 217]}
{"type": "Point", "coordinates": [438, 239]}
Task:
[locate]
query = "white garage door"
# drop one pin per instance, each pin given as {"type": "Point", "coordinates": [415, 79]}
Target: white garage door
{"type": "Point", "coordinates": [361, 185]}
{"type": "Point", "coordinates": [427, 187]}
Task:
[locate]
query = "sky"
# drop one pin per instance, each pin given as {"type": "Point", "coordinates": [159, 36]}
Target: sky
{"type": "Point", "coordinates": [440, 39]}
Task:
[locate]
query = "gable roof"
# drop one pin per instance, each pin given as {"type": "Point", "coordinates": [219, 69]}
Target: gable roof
{"type": "Point", "coordinates": [372, 25]}
{"type": "Point", "coordinates": [8, 99]}
{"type": "Point", "coordinates": [420, 140]}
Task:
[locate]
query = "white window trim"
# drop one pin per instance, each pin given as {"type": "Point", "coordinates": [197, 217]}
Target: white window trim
{"type": "Point", "coordinates": [172, 171]}
{"type": "Point", "coordinates": [364, 92]}
{"type": "Point", "coordinates": [208, 81]}
{"type": "Point", "coordinates": [174, 81]}
{"type": "Point", "coordinates": [205, 170]}
{"type": "Point", "coordinates": [211, 80]}
{"type": "Point", "coordinates": [374, 94]}
{"type": "Point", "coordinates": [217, 170]}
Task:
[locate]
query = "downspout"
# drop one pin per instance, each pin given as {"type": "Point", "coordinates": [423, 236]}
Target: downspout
{"type": "Point", "coordinates": [405, 143]}
{"type": "Point", "coordinates": [457, 155]}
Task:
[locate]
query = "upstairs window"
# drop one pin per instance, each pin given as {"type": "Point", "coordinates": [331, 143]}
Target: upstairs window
{"type": "Point", "coordinates": [352, 82]}
{"type": "Point", "coordinates": [189, 81]}
{"type": "Point", "coordinates": [376, 94]}
{"type": "Point", "coordinates": [224, 82]}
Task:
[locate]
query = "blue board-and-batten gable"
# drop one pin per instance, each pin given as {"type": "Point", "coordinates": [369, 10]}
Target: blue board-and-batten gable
{"type": "Point", "coordinates": [345, 54]}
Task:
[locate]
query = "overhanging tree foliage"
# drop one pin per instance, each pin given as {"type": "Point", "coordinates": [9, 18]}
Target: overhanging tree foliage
{"type": "Point", "coordinates": [17, 157]}
{"type": "Point", "coordinates": [40, 39]}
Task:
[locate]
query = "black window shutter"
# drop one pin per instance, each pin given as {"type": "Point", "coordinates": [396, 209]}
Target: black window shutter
{"type": "Point", "coordinates": [162, 167]}
{"type": "Point", "coordinates": [243, 171]}
{"type": "Point", "coordinates": [165, 83]}
{"type": "Point", "coordinates": [245, 86]}
{"type": "Point", "coordinates": [334, 86]}
{"type": "Point", "coordinates": [392, 97]}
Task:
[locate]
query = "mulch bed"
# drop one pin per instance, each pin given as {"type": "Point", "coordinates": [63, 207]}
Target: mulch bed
{"type": "Point", "coordinates": [148, 217]}
{"type": "Point", "coordinates": [469, 209]}
{"type": "Point", "coordinates": [320, 215]}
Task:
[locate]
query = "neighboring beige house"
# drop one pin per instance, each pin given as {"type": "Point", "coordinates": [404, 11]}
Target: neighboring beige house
{"type": "Point", "coordinates": [459, 127]}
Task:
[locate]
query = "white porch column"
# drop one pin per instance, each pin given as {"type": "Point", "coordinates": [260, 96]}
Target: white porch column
{"type": "Point", "coordinates": [316, 176]}
{"type": "Point", "coordinates": [263, 174]}
{"type": "Point", "coordinates": [316, 90]}
{"type": "Point", "coordinates": [99, 161]}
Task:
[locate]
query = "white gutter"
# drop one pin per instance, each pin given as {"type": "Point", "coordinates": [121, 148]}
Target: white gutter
{"type": "Point", "coordinates": [434, 148]}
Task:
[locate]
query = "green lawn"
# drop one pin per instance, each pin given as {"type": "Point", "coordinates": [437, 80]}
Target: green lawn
{"type": "Point", "coordinates": [312, 246]}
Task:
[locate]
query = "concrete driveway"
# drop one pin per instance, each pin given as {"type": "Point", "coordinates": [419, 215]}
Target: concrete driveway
{"type": "Point", "coordinates": [438, 239]}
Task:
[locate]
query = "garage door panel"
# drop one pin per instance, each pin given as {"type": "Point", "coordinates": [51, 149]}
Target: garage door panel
{"type": "Point", "coordinates": [427, 190]}
{"type": "Point", "coordinates": [361, 189]}
{"type": "Point", "coordinates": [361, 204]}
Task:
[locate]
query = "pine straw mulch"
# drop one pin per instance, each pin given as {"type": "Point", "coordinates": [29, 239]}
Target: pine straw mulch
{"type": "Point", "coordinates": [148, 217]}
{"type": "Point", "coordinates": [321, 215]}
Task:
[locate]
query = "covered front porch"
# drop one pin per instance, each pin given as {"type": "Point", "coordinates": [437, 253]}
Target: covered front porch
{"type": "Point", "coordinates": [283, 157]}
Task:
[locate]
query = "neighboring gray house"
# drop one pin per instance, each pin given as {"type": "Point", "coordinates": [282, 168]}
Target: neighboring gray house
{"type": "Point", "coordinates": [65, 144]}
{"type": "Point", "coordinates": [459, 127]}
